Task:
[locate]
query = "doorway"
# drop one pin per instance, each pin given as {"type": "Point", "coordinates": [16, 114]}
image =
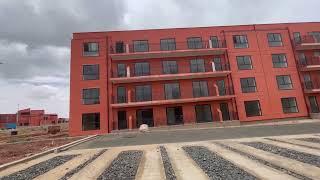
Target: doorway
{"type": "Point", "coordinates": [145, 116]}
{"type": "Point", "coordinates": [174, 115]}
{"type": "Point", "coordinates": [122, 120]}
{"type": "Point", "coordinates": [225, 111]}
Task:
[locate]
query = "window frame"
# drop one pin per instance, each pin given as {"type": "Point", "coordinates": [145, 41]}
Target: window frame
{"type": "Point", "coordinates": [203, 107]}
{"type": "Point", "coordinates": [273, 40]}
{"type": "Point", "coordinates": [253, 114]}
{"type": "Point", "coordinates": [143, 69]}
{"type": "Point", "coordinates": [285, 109]}
{"type": "Point", "coordinates": [203, 89]}
{"type": "Point", "coordinates": [146, 96]}
{"type": "Point", "coordinates": [90, 52]}
{"type": "Point", "coordinates": [169, 46]}
{"type": "Point", "coordinates": [240, 41]}
{"type": "Point", "coordinates": [246, 81]}
{"type": "Point", "coordinates": [243, 63]}
{"type": "Point", "coordinates": [88, 76]}
{"type": "Point", "coordinates": [169, 90]}
{"type": "Point", "coordinates": [168, 68]}
{"type": "Point", "coordinates": [137, 47]}
{"type": "Point", "coordinates": [192, 44]}
{"type": "Point", "coordinates": [124, 72]}
{"type": "Point", "coordinates": [283, 83]}
{"type": "Point", "coordinates": [276, 61]}
{"type": "Point", "coordinates": [199, 65]}
{"type": "Point", "coordinates": [91, 100]}
{"type": "Point", "coordinates": [95, 123]}
{"type": "Point", "coordinates": [123, 97]}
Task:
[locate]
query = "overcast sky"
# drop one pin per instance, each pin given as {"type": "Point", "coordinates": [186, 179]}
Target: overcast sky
{"type": "Point", "coordinates": [35, 36]}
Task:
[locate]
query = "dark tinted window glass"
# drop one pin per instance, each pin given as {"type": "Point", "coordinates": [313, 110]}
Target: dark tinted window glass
{"type": "Point", "coordinates": [244, 62]}
{"type": "Point", "coordinates": [203, 113]}
{"type": "Point", "coordinates": [90, 121]}
{"type": "Point", "coordinates": [91, 96]}
{"type": "Point", "coordinates": [194, 43]}
{"type": "Point", "coordinates": [170, 67]}
{"type": "Point", "coordinates": [289, 105]}
{"type": "Point", "coordinates": [140, 46]}
{"type": "Point", "coordinates": [120, 47]}
{"type": "Point", "coordinates": [284, 82]}
{"type": "Point", "coordinates": [122, 70]}
{"type": "Point", "coordinates": [197, 65]}
{"type": "Point", "coordinates": [297, 37]}
{"type": "Point", "coordinates": [90, 72]}
{"type": "Point", "coordinates": [91, 49]}
{"type": "Point", "coordinates": [314, 104]}
{"type": "Point", "coordinates": [168, 44]}
{"type": "Point", "coordinates": [172, 91]}
{"type": "Point", "coordinates": [248, 85]}
{"type": "Point", "coordinates": [221, 87]}
{"type": "Point", "coordinates": [143, 93]}
{"type": "Point", "coordinates": [217, 64]}
{"type": "Point", "coordinates": [214, 41]}
{"type": "Point", "coordinates": [200, 88]}
{"type": "Point", "coordinates": [240, 41]}
{"type": "Point", "coordinates": [302, 59]}
{"type": "Point", "coordinates": [121, 94]}
{"type": "Point", "coordinates": [252, 108]}
{"type": "Point", "coordinates": [274, 39]}
{"type": "Point", "coordinates": [141, 69]}
{"type": "Point", "coordinates": [279, 61]}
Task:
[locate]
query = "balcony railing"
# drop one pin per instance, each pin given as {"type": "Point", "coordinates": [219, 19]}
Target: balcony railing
{"type": "Point", "coordinates": [309, 61]}
{"type": "Point", "coordinates": [156, 47]}
{"type": "Point", "coordinates": [309, 85]}
{"type": "Point", "coordinates": [308, 39]}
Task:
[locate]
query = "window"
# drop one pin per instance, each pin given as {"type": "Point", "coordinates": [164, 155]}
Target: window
{"type": "Point", "coordinates": [203, 113]}
{"type": "Point", "coordinates": [121, 94]}
{"type": "Point", "coordinates": [91, 49]}
{"type": "Point", "coordinates": [274, 39]}
{"type": "Point", "coordinates": [240, 41]}
{"type": "Point", "coordinates": [141, 69]}
{"type": "Point", "coordinates": [217, 64]}
{"type": "Point", "coordinates": [194, 43]}
{"type": "Point", "coordinates": [284, 82]}
{"type": "Point", "coordinates": [248, 85]}
{"type": "Point", "coordinates": [90, 121]}
{"type": "Point", "coordinates": [168, 44]}
{"type": "Point", "coordinates": [279, 61]}
{"type": "Point", "coordinates": [91, 96]}
{"type": "Point", "coordinates": [214, 41]}
{"type": "Point", "coordinates": [122, 70]}
{"type": "Point", "coordinates": [143, 93]}
{"type": "Point", "coordinates": [221, 87]}
{"type": "Point", "coordinates": [170, 67]}
{"type": "Point", "coordinates": [90, 72]}
{"type": "Point", "coordinates": [314, 104]}
{"type": "Point", "coordinates": [302, 59]}
{"type": "Point", "coordinates": [316, 36]}
{"type": "Point", "coordinates": [244, 62]}
{"type": "Point", "coordinates": [197, 65]}
{"type": "Point", "coordinates": [140, 46]}
{"type": "Point", "coordinates": [307, 81]}
{"type": "Point", "coordinates": [297, 37]}
{"type": "Point", "coordinates": [252, 108]}
{"type": "Point", "coordinates": [120, 47]}
{"type": "Point", "coordinates": [289, 105]}
{"type": "Point", "coordinates": [172, 91]}
{"type": "Point", "coordinates": [200, 88]}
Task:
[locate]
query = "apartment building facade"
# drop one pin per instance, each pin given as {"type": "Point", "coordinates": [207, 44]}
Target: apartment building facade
{"type": "Point", "coordinates": [162, 77]}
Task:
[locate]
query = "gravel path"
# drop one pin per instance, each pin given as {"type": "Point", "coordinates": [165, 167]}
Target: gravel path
{"type": "Point", "coordinates": [124, 167]}
{"type": "Point", "coordinates": [78, 168]}
{"type": "Point", "coordinates": [39, 169]}
{"type": "Point", "coordinates": [170, 175]}
{"type": "Point", "coordinates": [288, 153]}
{"type": "Point", "coordinates": [215, 166]}
{"type": "Point", "coordinates": [313, 140]}
{"type": "Point", "coordinates": [291, 173]}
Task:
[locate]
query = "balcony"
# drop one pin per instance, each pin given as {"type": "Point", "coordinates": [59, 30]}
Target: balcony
{"type": "Point", "coordinates": [308, 42]}
{"type": "Point", "coordinates": [219, 95]}
{"type": "Point", "coordinates": [217, 71]}
{"type": "Point", "coordinates": [311, 87]}
{"type": "Point", "coordinates": [179, 49]}
{"type": "Point", "coordinates": [310, 64]}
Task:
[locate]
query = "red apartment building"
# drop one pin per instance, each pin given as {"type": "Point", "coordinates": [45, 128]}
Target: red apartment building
{"type": "Point", "coordinates": [121, 79]}
{"type": "Point", "coordinates": [28, 117]}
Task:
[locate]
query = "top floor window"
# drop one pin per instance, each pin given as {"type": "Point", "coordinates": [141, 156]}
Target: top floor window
{"type": "Point", "coordinates": [214, 41]}
{"type": "Point", "coordinates": [168, 44]}
{"type": "Point", "coordinates": [197, 65]}
{"type": "Point", "coordinates": [240, 41]}
{"type": "Point", "coordinates": [316, 36]}
{"type": "Point", "coordinates": [140, 46]}
{"type": "Point", "coordinates": [274, 39]}
{"type": "Point", "coordinates": [141, 69]}
{"type": "Point", "coordinates": [297, 37]}
{"type": "Point", "coordinates": [120, 47]}
{"type": "Point", "coordinates": [91, 49]}
{"type": "Point", "coordinates": [194, 43]}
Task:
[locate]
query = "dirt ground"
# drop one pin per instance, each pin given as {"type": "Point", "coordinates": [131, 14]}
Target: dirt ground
{"type": "Point", "coordinates": [29, 141]}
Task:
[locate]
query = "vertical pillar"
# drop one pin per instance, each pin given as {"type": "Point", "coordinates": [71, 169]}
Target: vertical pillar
{"type": "Point", "coordinates": [128, 71]}
{"type": "Point", "coordinates": [127, 48]}
{"type": "Point", "coordinates": [210, 43]}
{"type": "Point", "coordinates": [213, 66]}
{"type": "Point", "coordinates": [216, 89]}
{"type": "Point", "coordinates": [129, 96]}
{"type": "Point", "coordinates": [130, 121]}
{"type": "Point", "coordinates": [219, 115]}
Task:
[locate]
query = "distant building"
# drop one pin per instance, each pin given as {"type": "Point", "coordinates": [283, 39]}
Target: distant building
{"type": "Point", "coordinates": [159, 77]}
{"type": "Point", "coordinates": [28, 117]}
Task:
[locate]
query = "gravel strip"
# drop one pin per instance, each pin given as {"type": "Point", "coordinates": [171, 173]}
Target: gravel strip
{"type": "Point", "coordinates": [39, 169]}
{"type": "Point", "coordinates": [313, 140]}
{"type": "Point", "coordinates": [215, 166]}
{"type": "Point", "coordinates": [288, 153]}
{"type": "Point", "coordinates": [78, 168]}
{"type": "Point", "coordinates": [170, 175]}
{"type": "Point", "coordinates": [291, 173]}
{"type": "Point", "coordinates": [124, 167]}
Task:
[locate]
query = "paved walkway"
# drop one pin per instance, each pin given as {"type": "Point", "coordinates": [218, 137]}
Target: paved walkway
{"type": "Point", "coordinates": [189, 135]}
{"type": "Point", "coordinates": [275, 157]}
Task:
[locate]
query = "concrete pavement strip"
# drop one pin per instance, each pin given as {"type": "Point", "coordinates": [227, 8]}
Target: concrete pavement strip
{"type": "Point", "coordinates": [299, 143]}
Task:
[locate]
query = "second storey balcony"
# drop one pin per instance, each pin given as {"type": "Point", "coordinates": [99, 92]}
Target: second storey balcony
{"type": "Point", "coordinates": [217, 70]}
{"type": "Point", "coordinates": [310, 63]}
{"type": "Point", "coordinates": [174, 49]}
{"type": "Point", "coordinates": [311, 87]}
{"type": "Point", "coordinates": [308, 42]}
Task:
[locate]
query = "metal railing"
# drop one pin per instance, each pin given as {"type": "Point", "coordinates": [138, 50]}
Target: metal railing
{"type": "Point", "coordinates": [309, 85]}
{"type": "Point", "coordinates": [152, 47]}
{"type": "Point", "coordinates": [307, 39]}
{"type": "Point", "coordinates": [313, 60]}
